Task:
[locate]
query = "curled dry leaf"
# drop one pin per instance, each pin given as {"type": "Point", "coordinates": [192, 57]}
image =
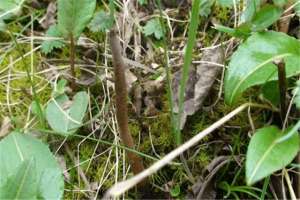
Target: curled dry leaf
{"type": "Point", "coordinates": [63, 166]}
{"type": "Point", "coordinates": [201, 79]}
{"type": "Point", "coordinates": [49, 18]}
{"type": "Point", "coordinates": [204, 188]}
{"type": "Point", "coordinates": [5, 127]}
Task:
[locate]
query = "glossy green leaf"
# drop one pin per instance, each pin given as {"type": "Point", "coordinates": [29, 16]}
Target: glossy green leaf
{"type": "Point", "coordinates": [252, 63]}
{"type": "Point", "coordinates": [265, 156]}
{"type": "Point", "coordinates": [64, 116]}
{"type": "Point", "coordinates": [74, 15]}
{"type": "Point", "coordinates": [15, 150]}
{"type": "Point", "coordinates": [22, 184]}
{"type": "Point", "coordinates": [102, 21]}
{"type": "Point", "coordinates": [49, 45]}
{"type": "Point", "coordinates": [265, 17]}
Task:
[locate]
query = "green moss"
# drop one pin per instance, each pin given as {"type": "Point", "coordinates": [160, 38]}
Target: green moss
{"type": "Point", "coordinates": [161, 135]}
{"type": "Point", "coordinates": [20, 85]}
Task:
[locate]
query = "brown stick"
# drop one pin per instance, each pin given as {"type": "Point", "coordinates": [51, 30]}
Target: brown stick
{"type": "Point", "coordinates": [72, 62]}
{"type": "Point", "coordinates": [282, 89]}
{"type": "Point", "coordinates": [121, 102]}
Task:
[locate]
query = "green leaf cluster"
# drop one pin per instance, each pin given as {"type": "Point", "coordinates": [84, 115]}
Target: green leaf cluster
{"type": "Point", "coordinates": [252, 63]}
{"type": "Point", "coordinates": [253, 21]}
{"type": "Point", "coordinates": [73, 16]}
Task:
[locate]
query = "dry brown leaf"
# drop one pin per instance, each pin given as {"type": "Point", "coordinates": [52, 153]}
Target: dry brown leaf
{"type": "Point", "coordinates": [5, 127]}
{"type": "Point", "coordinates": [201, 79]}
{"type": "Point", "coordinates": [62, 163]}
{"type": "Point", "coordinates": [49, 18]}
{"type": "Point", "coordinates": [204, 188]}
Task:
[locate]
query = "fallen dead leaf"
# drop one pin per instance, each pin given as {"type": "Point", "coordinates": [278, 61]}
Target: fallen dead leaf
{"type": "Point", "coordinates": [5, 127]}
{"type": "Point", "coordinates": [201, 79]}
{"type": "Point", "coordinates": [49, 18]}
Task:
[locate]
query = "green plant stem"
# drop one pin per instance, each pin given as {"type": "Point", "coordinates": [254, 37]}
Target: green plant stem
{"type": "Point", "coordinates": [282, 89]}
{"type": "Point", "coordinates": [265, 186]}
{"type": "Point", "coordinates": [72, 62]}
{"type": "Point", "coordinates": [28, 74]}
{"type": "Point", "coordinates": [168, 72]}
{"type": "Point", "coordinates": [187, 62]}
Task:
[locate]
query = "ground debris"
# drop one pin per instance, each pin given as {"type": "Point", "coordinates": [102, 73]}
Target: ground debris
{"type": "Point", "coordinates": [201, 79]}
{"type": "Point", "coordinates": [204, 188]}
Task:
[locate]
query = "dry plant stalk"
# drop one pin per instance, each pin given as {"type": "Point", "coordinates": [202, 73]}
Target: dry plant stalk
{"type": "Point", "coordinates": [121, 102]}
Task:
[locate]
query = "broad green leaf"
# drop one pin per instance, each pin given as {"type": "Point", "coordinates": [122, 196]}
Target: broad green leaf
{"type": "Point", "coordinates": [153, 27]}
{"type": "Point", "coordinates": [270, 92]}
{"type": "Point", "coordinates": [296, 92]}
{"type": "Point", "coordinates": [10, 7]}
{"type": "Point", "coordinates": [57, 114]}
{"type": "Point", "coordinates": [265, 156]}
{"type": "Point", "coordinates": [74, 16]}
{"type": "Point", "coordinates": [17, 148]}
{"type": "Point", "coordinates": [102, 21]}
{"type": "Point", "coordinates": [252, 6]}
{"type": "Point", "coordinates": [265, 17]}
{"type": "Point", "coordinates": [22, 184]}
{"type": "Point", "coordinates": [64, 116]}
{"type": "Point", "coordinates": [49, 45]}
{"type": "Point", "coordinates": [252, 63]}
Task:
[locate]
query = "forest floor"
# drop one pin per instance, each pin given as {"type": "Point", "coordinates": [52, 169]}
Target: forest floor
{"type": "Point", "coordinates": [94, 159]}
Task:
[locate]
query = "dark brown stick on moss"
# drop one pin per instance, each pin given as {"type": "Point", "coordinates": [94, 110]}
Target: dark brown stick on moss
{"type": "Point", "coordinates": [282, 89]}
{"type": "Point", "coordinates": [72, 62]}
{"type": "Point", "coordinates": [121, 102]}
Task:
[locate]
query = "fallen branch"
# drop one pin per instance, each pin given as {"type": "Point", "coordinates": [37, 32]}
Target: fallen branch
{"type": "Point", "coordinates": [124, 186]}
